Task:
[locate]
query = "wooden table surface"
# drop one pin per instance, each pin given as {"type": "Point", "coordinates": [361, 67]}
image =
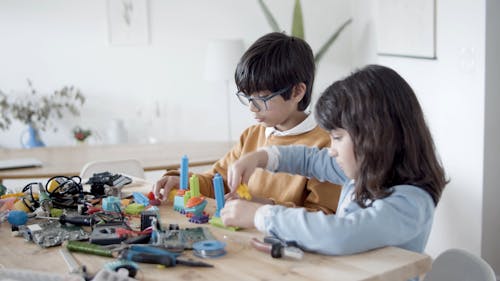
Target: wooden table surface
{"type": "Point", "coordinates": [241, 262]}
{"type": "Point", "coordinates": [68, 161]}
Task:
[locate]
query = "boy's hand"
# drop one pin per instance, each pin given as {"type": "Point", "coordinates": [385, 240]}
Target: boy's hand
{"type": "Point", "coordinates": [239, 213]}
{"type": "Point", "coordinates": [241, 170]}
{"type": "Point", "coordinates": [166, 183]}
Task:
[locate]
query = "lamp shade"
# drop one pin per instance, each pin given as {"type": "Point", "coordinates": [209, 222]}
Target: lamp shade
{"type": "Point", "coordinates": [221, 59]}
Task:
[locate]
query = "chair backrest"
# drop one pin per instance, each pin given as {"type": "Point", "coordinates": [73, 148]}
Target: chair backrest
{"type": "Point", "coordinates": [460, 265]}
{"type": "Point", "coordinates": [130, 167]}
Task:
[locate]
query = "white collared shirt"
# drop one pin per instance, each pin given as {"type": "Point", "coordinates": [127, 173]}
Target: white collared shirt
{"type": "Point", "coordinates": [305, 126]}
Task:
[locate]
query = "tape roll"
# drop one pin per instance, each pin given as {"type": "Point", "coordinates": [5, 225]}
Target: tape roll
{"type": "Point", "coordinates": [209, 249]}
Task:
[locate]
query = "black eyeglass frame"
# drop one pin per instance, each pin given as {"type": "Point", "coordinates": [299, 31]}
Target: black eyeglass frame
{"type": "Point", "coordinates": [246, 100]}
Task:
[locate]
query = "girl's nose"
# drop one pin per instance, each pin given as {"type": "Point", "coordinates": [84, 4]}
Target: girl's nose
{"type": "Point", "coordinates": [332, 151]}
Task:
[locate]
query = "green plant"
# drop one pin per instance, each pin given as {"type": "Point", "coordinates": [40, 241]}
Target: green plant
{"type": "Point", "coordinates": [37, 109]}
{"type": "Point", "coordinates": [81, 134]}
{"type": "Point", "coordinates": [298, 27]}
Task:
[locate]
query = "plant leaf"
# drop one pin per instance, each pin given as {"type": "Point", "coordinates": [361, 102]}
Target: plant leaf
{"type": "Point", "coordinates": [330, 41]}
{"type": "Point", "coordinates": [269, 17]}
{"type": "Point", "coordinates": [298, 21]}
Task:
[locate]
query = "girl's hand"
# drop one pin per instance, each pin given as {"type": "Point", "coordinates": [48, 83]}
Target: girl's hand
{"type": "Point", "coordinates": [241, 170]}
{"type": "Point", "coordinates": [239, 213]}
{"type": "Point", "coordinates": [231, 196]}
{"type": "Point", "coordinates": [166, 183]}
{"type": "Point", "coordinates": [260, 200]}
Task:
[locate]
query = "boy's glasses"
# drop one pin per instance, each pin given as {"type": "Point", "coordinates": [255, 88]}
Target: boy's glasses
{"type": "Point", "coordinates": [259, 102]}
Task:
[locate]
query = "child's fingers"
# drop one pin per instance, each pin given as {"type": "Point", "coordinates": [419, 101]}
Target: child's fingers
{"type": "Point", "coordinates": [169, 185]}
{"type": "Point", "coordinates": [233, 178]}
{"type": "Point", "coordinates": [166, 183]}
{"type": "Point", "coordinates": [245, 177]}
{"type": "Point", "coordinates": [159, 186]}
{"type": "Point", "coordinates": [231, 196]}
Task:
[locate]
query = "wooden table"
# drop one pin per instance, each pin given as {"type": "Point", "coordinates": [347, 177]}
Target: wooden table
{"type": "Point", "coordinates": [68, 161]}
{"type": "Point", "coordinates": [241, 262]}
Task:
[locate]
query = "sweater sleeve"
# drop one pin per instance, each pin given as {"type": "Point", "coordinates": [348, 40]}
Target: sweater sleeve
{"type": "Point", "coordinates": [310, 162]}
{"type": "Point", "coordinates": [392, 221]}
{"type": "Point", "coordinates": [322, 196]}
{"type": "Point", "coordinates": [221, 167]}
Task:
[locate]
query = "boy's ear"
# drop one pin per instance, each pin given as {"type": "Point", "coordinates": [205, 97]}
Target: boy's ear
{"type": "Point", "coordinates": [298, 91]}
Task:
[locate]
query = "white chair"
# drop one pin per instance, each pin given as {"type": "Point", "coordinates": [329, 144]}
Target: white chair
{"type": "Point", "coordinates": [460, 265]}
{"type": "Point", "coordinates": [130, 167]}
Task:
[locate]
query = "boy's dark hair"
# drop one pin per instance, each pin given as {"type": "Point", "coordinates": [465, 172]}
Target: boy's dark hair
{"type": "Point", "coordinates": [276, 61]}
{"type": "Point", "coordinates": [392, 143]}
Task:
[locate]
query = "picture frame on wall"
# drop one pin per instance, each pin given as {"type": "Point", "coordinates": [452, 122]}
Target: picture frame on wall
{"type": "Point", "coordinates": [128, 22]}
{"type": "Point", "coordinates": [406, 28]}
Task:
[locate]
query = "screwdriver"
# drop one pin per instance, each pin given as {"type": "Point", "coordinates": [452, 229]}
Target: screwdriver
{"type": "Point", "coordinates": [155, 255]}
{"type": "Point", "coordinates": [75, 220]}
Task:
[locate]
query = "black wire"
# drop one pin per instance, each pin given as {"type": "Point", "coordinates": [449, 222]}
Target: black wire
{"type": "Point", "coordinates": [29, 187]}
{"type": "Point", "coordinates": [68, 198]}
{"type": "Point", "coordinates": [68, 180]}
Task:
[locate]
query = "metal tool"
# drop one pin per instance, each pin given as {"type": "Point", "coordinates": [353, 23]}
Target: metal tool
{"type": "Point", "coordinates": [75, 220]}
{"type": "Point", "coordinates": [277, 248]}
{"type": "Point", "coordinates": [73, 265]}
{"type": "Point", "coordinates": [155, 255]}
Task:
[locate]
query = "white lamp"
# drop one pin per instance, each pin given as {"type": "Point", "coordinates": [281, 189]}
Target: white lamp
{"type": "Point", "coordinates": [221, 59]}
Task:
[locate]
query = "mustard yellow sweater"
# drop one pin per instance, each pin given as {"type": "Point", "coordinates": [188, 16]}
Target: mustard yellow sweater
{"type": "Point", "coordinates": [284, 189]}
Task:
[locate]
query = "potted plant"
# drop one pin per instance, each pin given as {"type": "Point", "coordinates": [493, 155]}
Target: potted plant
{"type": "Point", "coordinates": [81, 135]}
{"type": "Point", "coordinates": [37, 110]}
{"type": "Point", "coordinates": [298, 27]}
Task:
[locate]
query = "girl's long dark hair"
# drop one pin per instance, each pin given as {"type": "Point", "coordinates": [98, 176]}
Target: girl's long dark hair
{"type": "Point", "coordinates": [392, 143]}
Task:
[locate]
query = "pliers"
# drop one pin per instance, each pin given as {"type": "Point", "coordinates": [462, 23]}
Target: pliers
{"type": "Point", "coordinates": [156, 255]}
{"type": "Point", "coordinates": [277, 248]}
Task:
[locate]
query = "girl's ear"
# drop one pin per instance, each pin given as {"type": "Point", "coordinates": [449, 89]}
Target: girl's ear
{"type": "Point", "coordinates": [298, 92]}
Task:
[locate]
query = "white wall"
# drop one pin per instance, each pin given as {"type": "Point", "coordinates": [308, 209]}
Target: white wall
{"type": "Point", "coordinates": [452, 92]}
{"type": "Point", "coordinates": [58, 42]}
{"type": "Point", "coordinates": [491, 208]}
{"type": "Point", "coordinates": [61, 42]}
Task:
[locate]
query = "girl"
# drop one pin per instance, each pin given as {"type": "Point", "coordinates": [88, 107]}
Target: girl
{"type": "Point", "coordinates": [381, 152]}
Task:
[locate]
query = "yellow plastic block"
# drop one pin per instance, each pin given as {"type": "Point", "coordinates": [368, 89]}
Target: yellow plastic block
{"type": "Point", "coordinates": [243, 192]}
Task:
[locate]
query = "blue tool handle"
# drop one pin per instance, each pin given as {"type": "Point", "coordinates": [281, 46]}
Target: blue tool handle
{"type": "Point", "coordinates": [148, 258]}
{"type": "Point", "coordinates": [153, 250]}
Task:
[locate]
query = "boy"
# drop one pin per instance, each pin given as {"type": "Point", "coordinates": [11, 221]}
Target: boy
{"type": "Point", "coordinates": [274, 77]}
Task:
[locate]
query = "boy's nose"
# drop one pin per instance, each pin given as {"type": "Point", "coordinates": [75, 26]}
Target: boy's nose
{"type": "Point", "coordinates": [253, 108]}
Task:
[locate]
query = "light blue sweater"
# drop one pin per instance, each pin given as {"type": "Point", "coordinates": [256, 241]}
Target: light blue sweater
{"type": "Point", "coordinates": [403, 219]}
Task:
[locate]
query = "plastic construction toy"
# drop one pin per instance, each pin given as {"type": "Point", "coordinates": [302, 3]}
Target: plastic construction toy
{"type": "Point", "coordinates": [243, 192]}
{"type": "Point", "coordinates": [219, 203]}
{"type": "Point", "coordinates": [194, 209]}
{"type": "Point", "coordinates": [196, 204]}
{"type": "Point", "coordinates": [179, 199]}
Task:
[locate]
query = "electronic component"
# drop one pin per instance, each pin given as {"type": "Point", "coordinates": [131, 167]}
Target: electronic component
{"type": "Point", "coordinates": [52, 233]}
{"type": "Point", "coordinates": [44, 200]}
{"type": "Point", "coordinates": [177, 240]}
{"type": "Point", "coordinates": [106, 234]}
{"type": "Point", "coordinates": [100, 181]}
{"type": "Point", "coordinates": [147, 217]}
